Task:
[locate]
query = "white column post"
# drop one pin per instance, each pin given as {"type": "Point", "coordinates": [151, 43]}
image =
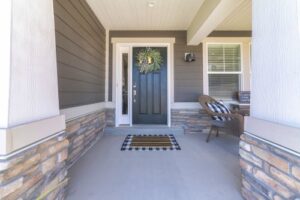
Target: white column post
{"type": "Point", "coordinates": [275, 94]}
{"type": "Point", "coordinates": [5, 23]}
{"type": "Point", "coordinates": [29, 87]}
{"type": "Point", "coordinates": [276, 62]}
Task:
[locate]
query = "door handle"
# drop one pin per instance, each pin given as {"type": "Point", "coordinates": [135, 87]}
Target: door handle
{"type": "Point", "coordinates": [134, 94]}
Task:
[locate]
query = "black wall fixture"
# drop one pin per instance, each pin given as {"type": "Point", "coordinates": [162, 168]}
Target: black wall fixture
{"type": "Point", "coordinates": [189, 57]}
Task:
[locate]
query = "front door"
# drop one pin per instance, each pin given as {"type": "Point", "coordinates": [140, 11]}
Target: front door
{"type": "Point", "coordinates": [149, 91]}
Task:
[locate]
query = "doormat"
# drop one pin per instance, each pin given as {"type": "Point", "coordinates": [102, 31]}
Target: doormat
{"type": "Point", "coordinates": [150, 143]}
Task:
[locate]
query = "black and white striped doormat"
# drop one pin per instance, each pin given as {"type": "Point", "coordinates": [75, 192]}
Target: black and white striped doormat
{"type": "Point", "coordinates": [150, 143]}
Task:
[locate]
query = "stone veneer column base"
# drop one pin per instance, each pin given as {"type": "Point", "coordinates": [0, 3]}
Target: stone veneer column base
{"type": "Point", "coordinates": [39, 170]}
{"type": "Point", "coordinates": [110, 117]}
{"type": "Point", "coordinates": [192, 120]}
{"type": "Point", "coordinates": [83, 133]}
{"type": "Point", "coordinates": [268, 172]}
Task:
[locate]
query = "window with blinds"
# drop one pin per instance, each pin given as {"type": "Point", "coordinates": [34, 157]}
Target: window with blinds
{"type": "Point", "coordinates": [224, 70]}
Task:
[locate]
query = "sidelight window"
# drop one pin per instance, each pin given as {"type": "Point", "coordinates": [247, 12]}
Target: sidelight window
{"type": "Point", "coordinates": [125, 83]}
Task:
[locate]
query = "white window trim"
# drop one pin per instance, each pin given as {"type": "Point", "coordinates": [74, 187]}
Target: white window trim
{"type": "Point", "coordinates": [242, 41]}
{"type": "Point", "coordinates": [241, 83]}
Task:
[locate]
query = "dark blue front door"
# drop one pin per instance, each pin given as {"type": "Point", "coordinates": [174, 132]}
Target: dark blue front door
{"type": "Point", "coordinates": [150, 92]}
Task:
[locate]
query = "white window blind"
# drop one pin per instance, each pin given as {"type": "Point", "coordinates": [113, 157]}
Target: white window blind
{"type": "Point", "coordinates": [224, 70]}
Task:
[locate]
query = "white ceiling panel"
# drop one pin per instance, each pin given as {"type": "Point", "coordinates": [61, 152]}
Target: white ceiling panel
{"type": "Point", "coordinates": [165, 15]}
{"type": "Point", "coordinates": [137, 15]}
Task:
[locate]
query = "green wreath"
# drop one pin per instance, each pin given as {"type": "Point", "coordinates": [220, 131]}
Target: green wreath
{"type": "Point", "coordinates": [149, 60]}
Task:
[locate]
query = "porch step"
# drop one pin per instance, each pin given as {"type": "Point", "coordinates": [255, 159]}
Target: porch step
{"type": "Point", "coordinates": [149, 130]}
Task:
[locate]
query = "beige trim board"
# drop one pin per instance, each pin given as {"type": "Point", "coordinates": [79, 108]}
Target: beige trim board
{"type": "Point", "coordinates": [279, 134]}
{"type": "Point", "coordinates": [186, 105]}
{"type": "Point", "coordinates": [194, 105]}
{"type": "Point", "coordinates": [15, 138]}
{"type": "Point", "coordinates": [80, 111]}
{"type": "Point", "coordinates": [133, 40]}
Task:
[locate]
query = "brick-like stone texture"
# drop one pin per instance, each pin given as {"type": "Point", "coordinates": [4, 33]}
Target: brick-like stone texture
{"type": "Point", "coordinates": [191, 120]}
{"type": "Point", "coordinates": [110, 117]}
{"type": "Point", "coordinates": [267, 171]}
{"type": "Point", "coordinates": [27, 174]}
{"type": "Point", "coordinates": [82, 134]}
{"type": "Point", "coordinates": [42, 169]}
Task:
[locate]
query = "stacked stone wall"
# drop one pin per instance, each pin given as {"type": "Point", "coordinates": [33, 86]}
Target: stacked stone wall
{"type": "Point", "coordinates": [38, 171]}
{"type": "Point", "coordinates": [268, 172]}
{"type": "Point", "coordinates": [191, 120]}
{"type": "Point", "coordinates": [83, 133]}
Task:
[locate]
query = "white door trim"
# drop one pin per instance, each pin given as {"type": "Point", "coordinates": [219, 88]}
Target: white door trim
{"type": "Point", "coordinates": [122, 119]}
{"type": "Point", "coordinates": [141, 42]}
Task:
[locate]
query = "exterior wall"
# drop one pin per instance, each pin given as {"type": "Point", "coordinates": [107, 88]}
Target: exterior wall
{"type": "Point", "coordinates": [192, 120]}
{"type": "Point", "coordinates": [187, 76]}
{"type": "Point", "coordinates": [40, 170]}
{"type": "Point", "coordinates": [83, 133]}
{"type": "Point", "coordinates": [267, 171]}
{"type": "Point", "coordinates": [80, 49]}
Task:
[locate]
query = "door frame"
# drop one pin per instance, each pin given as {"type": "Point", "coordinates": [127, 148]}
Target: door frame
{"type": "Point", "coordinates": [118, 45]}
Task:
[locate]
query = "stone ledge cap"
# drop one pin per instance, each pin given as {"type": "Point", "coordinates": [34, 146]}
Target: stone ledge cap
{"type": "Point", "coordinates": [282, 135]}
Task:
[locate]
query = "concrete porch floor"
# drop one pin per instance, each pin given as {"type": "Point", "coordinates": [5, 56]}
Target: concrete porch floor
{"type": "Point", "coordinates": [199, 171]}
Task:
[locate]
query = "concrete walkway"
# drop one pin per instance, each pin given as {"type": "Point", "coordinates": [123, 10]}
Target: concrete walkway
{"type": "Point", "coordinates": [199, 171]}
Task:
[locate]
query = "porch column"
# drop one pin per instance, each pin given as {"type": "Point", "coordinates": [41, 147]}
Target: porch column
{"type": "Point", "coordinates": [270, 146]}
{"type": "Point", "coordinates": [32, 143]}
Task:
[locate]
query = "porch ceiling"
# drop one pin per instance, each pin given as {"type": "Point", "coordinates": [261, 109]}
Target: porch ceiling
{"type": "Point", "coordinates": [165, 15]}
{"type": "Point", "coordinates": [137, 15]}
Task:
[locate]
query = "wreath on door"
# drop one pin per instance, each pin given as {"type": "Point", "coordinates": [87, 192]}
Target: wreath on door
{"type": "Point", "coordinates": [148, 60]}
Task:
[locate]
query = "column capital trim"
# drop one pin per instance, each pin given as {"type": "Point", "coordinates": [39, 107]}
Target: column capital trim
{"type": "Point", "coordinates": [15, 138]}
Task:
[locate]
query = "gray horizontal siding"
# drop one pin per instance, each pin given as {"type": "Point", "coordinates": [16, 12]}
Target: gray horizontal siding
{"type": "Point", "coordinates": [231, 34]}
{"type": "Point", "coordinates": [188, 77]}
{"type": "Point", "coordinates": [80, 49]}
{"type": "Point", "coordinates": [188, 82]}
